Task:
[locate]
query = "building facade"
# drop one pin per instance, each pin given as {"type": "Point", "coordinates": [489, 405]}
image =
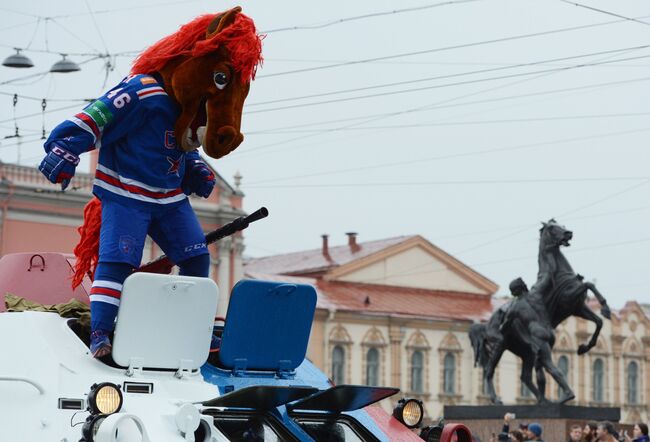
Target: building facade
{"type": "Point", "coordinates": [36, 216]}
{"type": "Point", "coordinates": [396, 312]}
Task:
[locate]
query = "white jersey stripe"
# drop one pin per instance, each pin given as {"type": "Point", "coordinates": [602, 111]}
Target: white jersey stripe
{"type": "Point", "coordinates": [135, 196]}
{"type": "Point", "coordinates": [132, 182]}
{"type": "Point", "coordinates": [107, 284]}
{"type": "Point", "coordinates": [84, 126]}
{"type": "Point", "coordinates": [150, 90]}
{"type": "Point", "coordinates": [153, 94]}
{"type": "Point", "coordinates": [104, 298]}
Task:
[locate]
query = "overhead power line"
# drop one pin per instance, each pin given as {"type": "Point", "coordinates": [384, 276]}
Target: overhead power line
{"type": "Point", "coordinates": [446, 48]}
{"type": "Point", "coordinates": [445, 85]}
{"type": "Point", "coordinates": [339, 21]}
{"type": "Point", "coordinates": [602, 11]}
{"type": "Point", "coordinates": [451, 182]}
{"type": "Point", "coordinates": [577, 209]}
{"type": "Point", "coordinates": [458, 74]}
{"type": "Point", "coordinates": [443, 105]}
{"type": "Point", "coordinates": [36, 114]}
{"type": "Point", "coordinates": [453, 123]}
{"type": "Point", "coordinates": [393, 164]}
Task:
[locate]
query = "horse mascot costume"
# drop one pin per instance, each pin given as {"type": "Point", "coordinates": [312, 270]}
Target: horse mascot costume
{"type": "Point", "coordinates": [185, 91]}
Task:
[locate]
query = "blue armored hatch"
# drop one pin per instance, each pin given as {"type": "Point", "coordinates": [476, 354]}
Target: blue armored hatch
{"type": "Point", "coordinates": [267, 326]}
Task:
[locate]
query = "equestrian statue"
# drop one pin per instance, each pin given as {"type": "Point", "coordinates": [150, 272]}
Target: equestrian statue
{"type": "Point", "coordinates": [525, 326]}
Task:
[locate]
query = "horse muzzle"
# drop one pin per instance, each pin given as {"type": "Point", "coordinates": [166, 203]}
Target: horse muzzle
{"type": "Point", "coordinates": [222, 141]}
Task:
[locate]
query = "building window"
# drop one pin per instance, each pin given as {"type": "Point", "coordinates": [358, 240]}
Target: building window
{"type": "Point", "coordinates": [338, 365]}
{"type": "Point", "coordinates": [563, 366]}
{"type": "Point", "coordinates": [417, 370]}
{"type": "Point", "coordinates": [598, 381]}
{"type": "Point", "coordinates": [632, 383]}
{"type": "Point", "coordinates": [372, 367]}
{"type": "Point", "coordinates": [449, 375]}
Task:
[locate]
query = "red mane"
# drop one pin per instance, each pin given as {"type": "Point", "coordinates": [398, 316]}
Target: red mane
{"type": "Point", "coordinates": [239, 38]}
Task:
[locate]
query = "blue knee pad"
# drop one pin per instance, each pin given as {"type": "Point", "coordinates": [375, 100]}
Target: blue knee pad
{"type": "Point", "coordinates": [102, 314]}
{"type": "Point", "coordinates": [195, 266]}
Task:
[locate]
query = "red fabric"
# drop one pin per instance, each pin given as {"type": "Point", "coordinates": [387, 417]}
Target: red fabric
{"type": "Point", "coordinates": [239, 38]}
{"type": "Point", "coordinates": [87, 250]}
{"type": "Point", "coordinates": [106, 291]}
{"type": "Point", "coordinates": [394, 429]}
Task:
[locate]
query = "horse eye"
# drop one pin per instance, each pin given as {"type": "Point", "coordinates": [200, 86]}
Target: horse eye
{"type": "Point", "coordinates": [220, 80]}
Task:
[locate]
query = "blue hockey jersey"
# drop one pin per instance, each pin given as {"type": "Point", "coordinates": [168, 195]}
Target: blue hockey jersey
{"type": "Point", "coordinates": [132, 125]}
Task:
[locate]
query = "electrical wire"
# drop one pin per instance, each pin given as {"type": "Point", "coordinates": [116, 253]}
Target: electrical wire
{"type": "Point", "coordinates": [440, 105]}
{"type": "Point", "coordinates": [36, 114]}
{"type": "Point", "coordinates": [459, 74]}
{"type": "Point", "coordinates": [501, 149]}
{"type": "Point", "coordinates": [453, 182]}
{"type": "Point", "coordinates": [76, 37]}
{"type": "Point", "coordinates": [456, 123]}
{"type": "Point", "coordinates": [365, 16]}
{"type": "Point", "coordinates": [99, 31]}
{"type": "Point", "coordinates": [577, 209]}
{"type": "Point", "coordinates": [446, 48]}
{"type": "Point", "coordinates": [29, 97]}
{"type": "Point", "coordinates": [439, 86]}
{"type": "Point", "coordinates": [602, 11]}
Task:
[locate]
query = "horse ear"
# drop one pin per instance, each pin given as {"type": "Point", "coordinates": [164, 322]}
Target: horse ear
{"type": "Point", "coordinates": [221, 21]}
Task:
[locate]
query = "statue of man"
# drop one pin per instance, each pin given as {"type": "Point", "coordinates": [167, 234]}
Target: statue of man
{"type": "Point", "coordinates": [518, 289]}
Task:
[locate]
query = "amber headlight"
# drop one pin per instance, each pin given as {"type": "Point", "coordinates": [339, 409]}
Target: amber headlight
{"type": "Point", "coordinates": [409, 412]}
{"type": "Point", "coordinates": [105, 398]}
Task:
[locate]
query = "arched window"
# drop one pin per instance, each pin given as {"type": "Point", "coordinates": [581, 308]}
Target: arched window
{"type": "Point", "coordinates": [417, 369]}
{"type": "Point", "coordinates": [338, 365]}
{"type": "Point", "coordinates": [449, 375]}
{"type": "Point", "coordinates": [633, 383]}
{"type": "Point", "coordinates": [563, 366]}
{"type": "Point", "coordinates": [372, 367]}
{"type": "Point", "coordinates": [598, 378]}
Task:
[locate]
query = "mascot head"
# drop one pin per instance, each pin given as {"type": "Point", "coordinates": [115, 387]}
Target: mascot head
{"type": "Point", "coordinates": [207, 67]}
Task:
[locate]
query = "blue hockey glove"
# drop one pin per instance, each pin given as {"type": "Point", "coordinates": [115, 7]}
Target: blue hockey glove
{"type": "Point", "coordinates": [198, 178]}
{"type": "Point", "coordinates": [59, 166]}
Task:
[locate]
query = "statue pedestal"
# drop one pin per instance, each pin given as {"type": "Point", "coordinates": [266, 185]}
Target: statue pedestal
{"type": "Point", "coordinates": [555, 419]}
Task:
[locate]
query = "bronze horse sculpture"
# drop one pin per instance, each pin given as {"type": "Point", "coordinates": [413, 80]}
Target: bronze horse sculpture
{"type": "Point", "coordinates": [526, 325]}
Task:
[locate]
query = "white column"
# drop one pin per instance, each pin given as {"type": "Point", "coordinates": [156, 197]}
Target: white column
{"type": "Point", "coordinates": [223, 275]}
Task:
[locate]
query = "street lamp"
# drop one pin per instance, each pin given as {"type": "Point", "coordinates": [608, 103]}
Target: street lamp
{"type": "Point", "coordinates": [18, 60]}
{"type": "Point", "coordinates": [64, 66]}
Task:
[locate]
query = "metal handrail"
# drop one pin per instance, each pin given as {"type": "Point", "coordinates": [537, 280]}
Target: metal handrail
{"type": "Point", "coordinates": [31, 382]}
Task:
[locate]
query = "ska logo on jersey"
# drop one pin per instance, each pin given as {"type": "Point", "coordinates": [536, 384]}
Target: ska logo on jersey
{"type": "Point", "coordinates": [174, 166]}
{"type": "Point", "coordinates": [170, 139]}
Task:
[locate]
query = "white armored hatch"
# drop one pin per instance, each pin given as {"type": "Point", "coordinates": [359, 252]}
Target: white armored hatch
{"type": "Point", "coordinates": [165, 322]}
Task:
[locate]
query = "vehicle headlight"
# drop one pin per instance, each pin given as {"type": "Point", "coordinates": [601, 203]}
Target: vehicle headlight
{"type": "Point", "coordinates": [409, 412]}
{"type": "Point", "coordinates": [105, 398]}
{"type": "Point", "coordinates": [431, 434]}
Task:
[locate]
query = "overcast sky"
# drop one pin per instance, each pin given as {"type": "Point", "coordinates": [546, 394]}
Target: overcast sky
{"type": "Point", "coordinates": [505, 114]}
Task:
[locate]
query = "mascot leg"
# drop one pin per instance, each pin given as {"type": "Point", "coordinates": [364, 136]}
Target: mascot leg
{"type": "Point", "coordinates": [104, 302]}
{"type": "Point", "coordinates": [195, 266]}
